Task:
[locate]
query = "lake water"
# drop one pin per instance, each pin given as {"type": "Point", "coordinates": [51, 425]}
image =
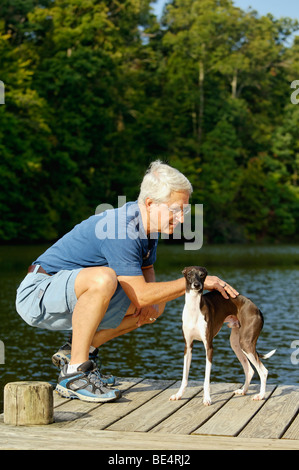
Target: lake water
{"type": "Point", "coordinates": [269, 275]}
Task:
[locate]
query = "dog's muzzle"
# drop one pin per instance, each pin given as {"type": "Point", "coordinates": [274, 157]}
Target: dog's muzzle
{"type": "Point", "coordinates": [196, 285]}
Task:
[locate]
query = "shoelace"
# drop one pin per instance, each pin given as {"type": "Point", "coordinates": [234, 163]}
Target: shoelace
{"type": "Point", "coordinates": [95, 378]}
{"type": "Point", "coordinates": [95, 358]}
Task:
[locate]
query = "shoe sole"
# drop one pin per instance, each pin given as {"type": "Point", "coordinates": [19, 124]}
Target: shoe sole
{"type": "Point", "coordinates": [65, 393]}
{"type": "Point", "coordinates": [59, 360]}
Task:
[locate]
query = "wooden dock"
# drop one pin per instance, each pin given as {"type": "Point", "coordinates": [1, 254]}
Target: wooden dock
{"type": "Point", "coordinates": [145, 419]}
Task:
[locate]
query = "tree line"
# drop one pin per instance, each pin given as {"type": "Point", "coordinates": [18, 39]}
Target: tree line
{"type": "Point", "coordinates": [96, 90]}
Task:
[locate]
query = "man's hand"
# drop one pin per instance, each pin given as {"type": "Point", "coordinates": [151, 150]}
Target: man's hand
{"type": "Point", "coordinates": [214, 283]}
{"type": "Point", "coordinates": [146, 314]}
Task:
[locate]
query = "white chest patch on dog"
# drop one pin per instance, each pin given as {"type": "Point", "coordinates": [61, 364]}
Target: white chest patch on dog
{"type": "Point", "coordinates": [194, 323]}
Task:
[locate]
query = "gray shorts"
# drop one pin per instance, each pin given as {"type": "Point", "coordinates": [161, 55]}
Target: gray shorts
{"type": "Point", "coordinates": [48, 301]}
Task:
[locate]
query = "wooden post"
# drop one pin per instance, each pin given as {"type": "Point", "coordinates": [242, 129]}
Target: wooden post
{"type": "Point", "coordinates": [28, 403]}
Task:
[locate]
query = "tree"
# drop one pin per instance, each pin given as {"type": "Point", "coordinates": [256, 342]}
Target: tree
{"type": "Point", "coordinates": [24, 135]}
{"type": "Point", "coordinates": [96, 90]}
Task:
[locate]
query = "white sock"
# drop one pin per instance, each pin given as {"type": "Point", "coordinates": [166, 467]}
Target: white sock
{"type": "Point", "coordinates": [71, 368]}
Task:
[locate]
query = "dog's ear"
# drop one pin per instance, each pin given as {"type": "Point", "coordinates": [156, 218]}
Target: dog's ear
{"type": "Point", "coordinates": [184, 271]}
{"type": "Point", "coordinates": [205, 271]}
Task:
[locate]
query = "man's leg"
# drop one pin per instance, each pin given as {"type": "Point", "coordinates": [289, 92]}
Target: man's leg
{"type": "Point", "coordinates": [94, 288]}
{"type": "Point", "coordinates": [129, 323]}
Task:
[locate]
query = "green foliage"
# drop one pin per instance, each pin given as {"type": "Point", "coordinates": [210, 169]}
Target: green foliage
{"type": "Point", "coordinates": [95, 90]}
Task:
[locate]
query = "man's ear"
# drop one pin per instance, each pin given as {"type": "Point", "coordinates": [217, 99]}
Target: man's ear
{"type": "Point", "coordinates": [148, 203]}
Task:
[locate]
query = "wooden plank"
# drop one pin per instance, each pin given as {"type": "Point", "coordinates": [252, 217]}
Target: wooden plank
{"type": "Point", "coordinates": [58, 400]}
{"type": "Point", "coordinates": [153, 412]}
{"type": "Point", "coordinates": [106, 414]}
{"type": "Point", "coordinates": [52, 438]}
{"type": "Point", "coordinates": [293, 431]}
{"type": "Point", "coordinates": [235, 414]}
{"type": "Point", "coordinates": [71, 410]}
{"type": "Point", "coordinates": [195, 413]}
{"type": "Point", "coordinates": [275, 416]}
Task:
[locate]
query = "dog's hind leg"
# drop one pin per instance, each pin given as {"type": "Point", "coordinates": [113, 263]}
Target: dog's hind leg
{"type": "Point", "coordinates": [248, 346]}
{"type": "Point", "coordinates": [262, 371]}
{"type": "Point", "coordinates": [248, 371]}
{"type": "Point", "coordinates": [187, 362]}
{"type": "Point", "coordinates": [251, 326]}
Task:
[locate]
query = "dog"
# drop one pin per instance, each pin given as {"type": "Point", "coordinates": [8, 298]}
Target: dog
{"type": "Point", "coordinates": [203, 317]}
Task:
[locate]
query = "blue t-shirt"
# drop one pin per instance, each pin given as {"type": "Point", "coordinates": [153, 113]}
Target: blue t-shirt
{"type": "Point", "coordinates": [114, 238]}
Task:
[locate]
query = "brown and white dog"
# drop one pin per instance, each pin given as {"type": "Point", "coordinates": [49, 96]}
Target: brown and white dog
{"type": "Point", "coordinates": [203, 317]}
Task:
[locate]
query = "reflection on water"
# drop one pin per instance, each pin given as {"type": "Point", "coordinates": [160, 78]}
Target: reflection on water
{"type": "Point", "coordinates": [268, 275]}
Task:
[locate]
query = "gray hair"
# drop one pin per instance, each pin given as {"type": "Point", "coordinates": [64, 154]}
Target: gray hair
{"type": "Point", "coordinates": [160, 180]}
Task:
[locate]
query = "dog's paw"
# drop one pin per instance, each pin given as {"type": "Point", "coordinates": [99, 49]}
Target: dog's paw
{"type": "Point", "coordinates": [174, 397]}
{"type": "Point", "coordinates": [240, 391]}
{"type": "Point", "coordinates": [207, 401]}
{"type": "Point", "coordinates": [258, 397]}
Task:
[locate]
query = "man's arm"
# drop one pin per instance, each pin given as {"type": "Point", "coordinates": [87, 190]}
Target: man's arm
{"type": "Point", "coordinates": [144, 291]}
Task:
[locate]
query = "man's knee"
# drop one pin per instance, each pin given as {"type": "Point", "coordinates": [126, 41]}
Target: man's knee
{"type": "Point", "coordinates": [106, 281]}
{"type": "Point", "coordinates": [97, 279]}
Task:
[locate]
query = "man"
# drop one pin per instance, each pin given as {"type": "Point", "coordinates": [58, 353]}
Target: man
{"type": "Point", "coordinates": [98, 280]}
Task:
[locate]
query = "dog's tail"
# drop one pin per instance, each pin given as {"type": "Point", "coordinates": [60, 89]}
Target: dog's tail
{"type": "Point", "coordinates": [268, 355]}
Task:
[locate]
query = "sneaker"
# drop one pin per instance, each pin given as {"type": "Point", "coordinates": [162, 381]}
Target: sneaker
{"type": "Point", "coordinates": [63, 357]}
{"type": "Point", "coordinates": [85, 384]}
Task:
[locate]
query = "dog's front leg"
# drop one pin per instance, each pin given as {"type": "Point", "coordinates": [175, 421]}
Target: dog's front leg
{"type": "Point", "coordinates": [187, 362]}
{"type": "Point", "coordinates": [206, 388]}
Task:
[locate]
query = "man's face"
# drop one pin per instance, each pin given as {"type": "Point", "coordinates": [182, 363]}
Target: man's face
{"type": "Point", "coordinates": [164, 217]}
